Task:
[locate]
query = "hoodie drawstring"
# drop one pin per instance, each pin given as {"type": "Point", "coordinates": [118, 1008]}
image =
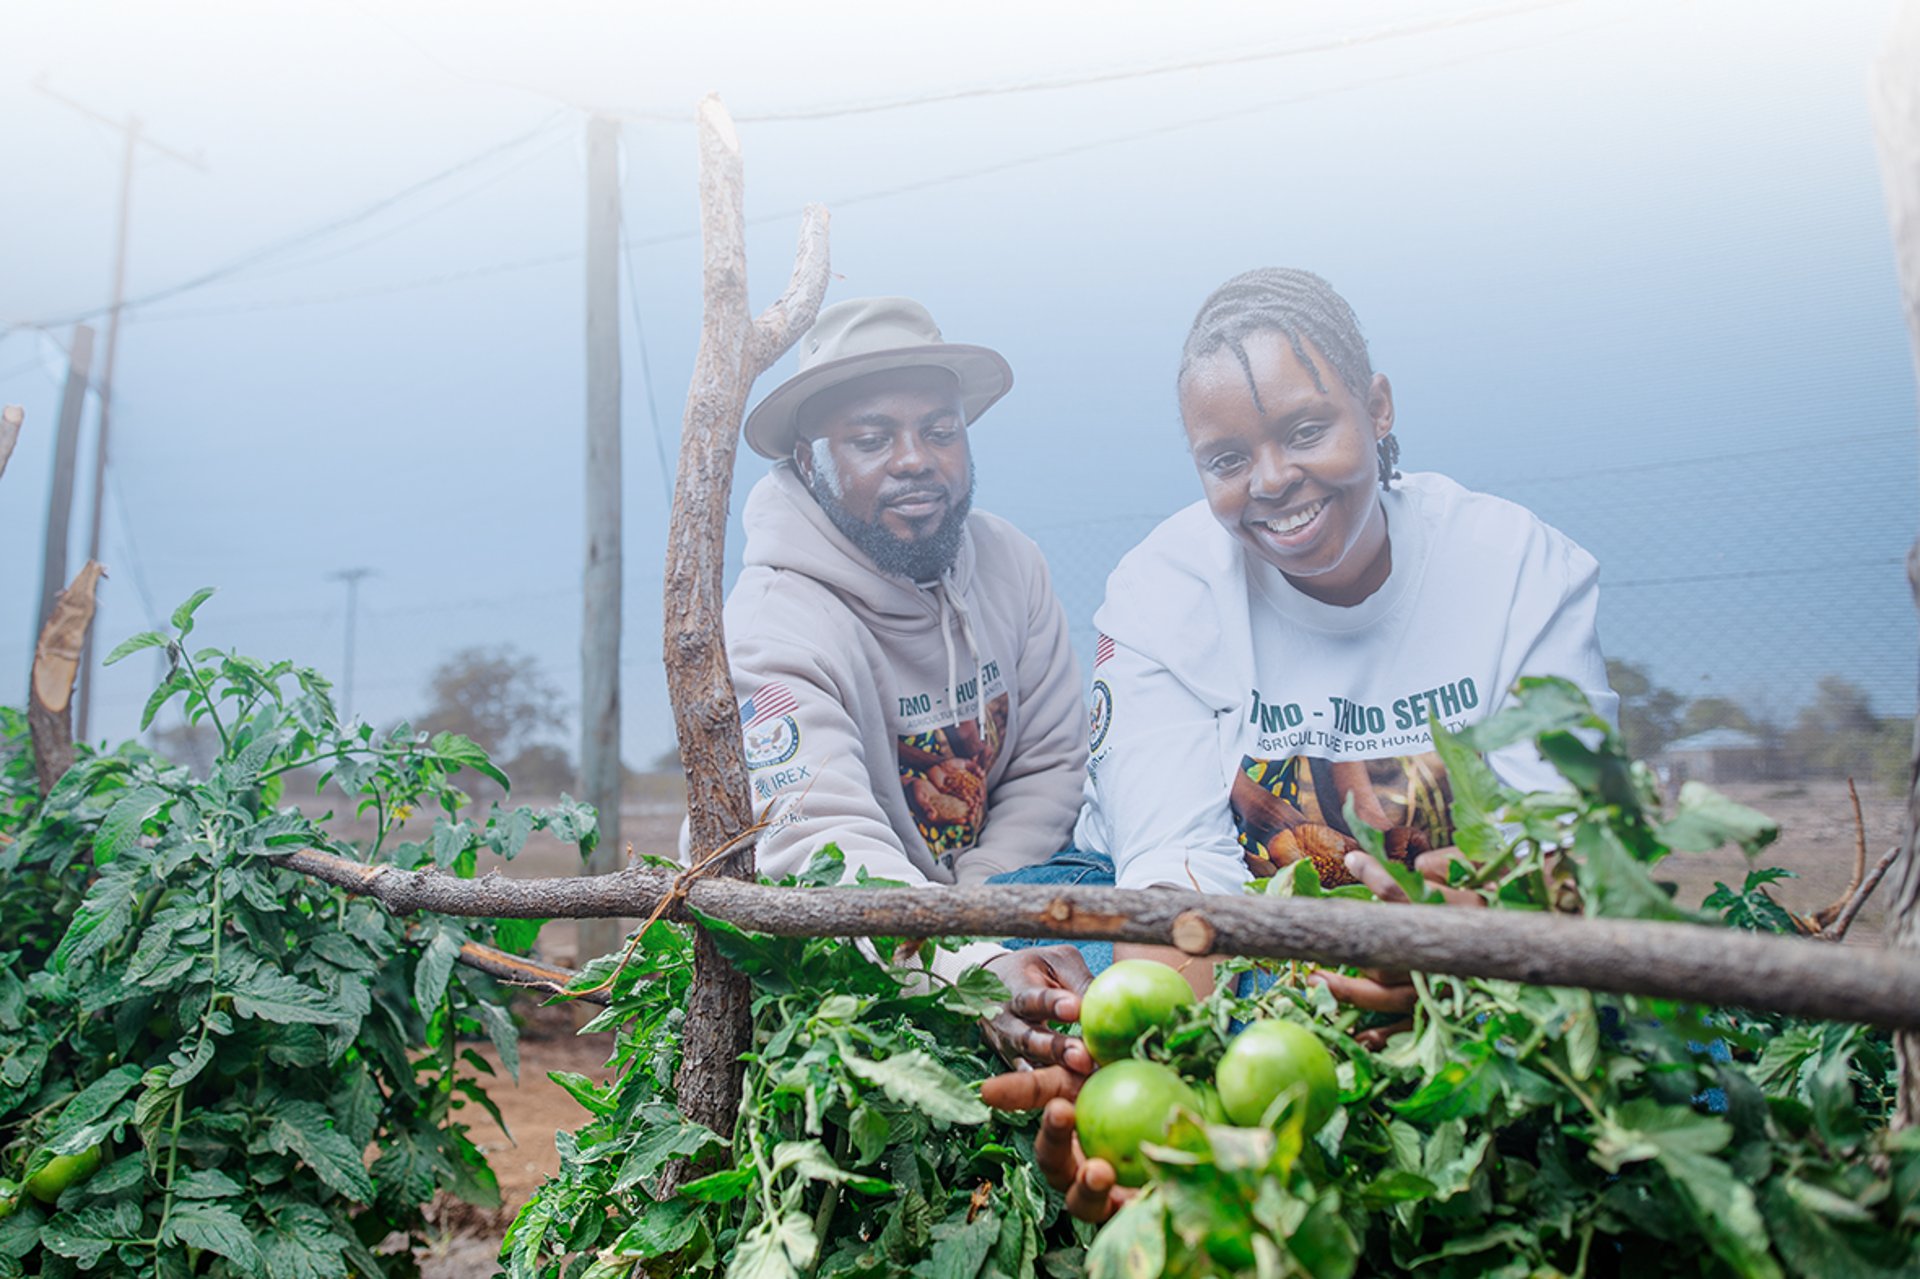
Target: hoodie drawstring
{"type": "Point", "coordinates": [954, 602]}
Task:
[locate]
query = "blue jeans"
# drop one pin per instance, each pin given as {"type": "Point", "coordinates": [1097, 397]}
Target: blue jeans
{"type": "Point", "coordinates": [1073, 866]}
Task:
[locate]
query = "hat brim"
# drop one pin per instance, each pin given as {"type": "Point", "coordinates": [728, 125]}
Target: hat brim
{"type": "Point", "coordinates": [985, 376]}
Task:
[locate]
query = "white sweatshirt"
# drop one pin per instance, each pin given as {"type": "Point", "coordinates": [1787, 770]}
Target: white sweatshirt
{"type": "Point", "coordinates": [1213, 667]}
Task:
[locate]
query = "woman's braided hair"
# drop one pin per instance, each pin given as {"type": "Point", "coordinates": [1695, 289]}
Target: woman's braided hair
{"type": "Point", "coordinates": [1304, 309]}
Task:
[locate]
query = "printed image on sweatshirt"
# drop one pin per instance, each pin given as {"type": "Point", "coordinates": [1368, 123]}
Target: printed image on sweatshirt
{"type": "Point", "coordinates": [1287, 809]}
{"type": "Point", "coordinates": [944, 773]}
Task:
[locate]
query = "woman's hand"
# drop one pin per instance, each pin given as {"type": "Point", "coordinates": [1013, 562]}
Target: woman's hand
{"type": "Point", "coordinates": [1382, 990]}
{"type": "Point", "coordinates": [1091, 1187]}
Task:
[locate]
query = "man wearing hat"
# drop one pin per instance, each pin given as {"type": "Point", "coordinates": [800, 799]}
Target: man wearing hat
{"type": "Point", "coordinates": [907, 688]}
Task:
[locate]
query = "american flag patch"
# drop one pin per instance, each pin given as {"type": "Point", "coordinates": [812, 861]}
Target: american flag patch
{"type": "Point", "coordinates": [1102, 650]}
{"type": "Point", "coordinates": [770, 701]}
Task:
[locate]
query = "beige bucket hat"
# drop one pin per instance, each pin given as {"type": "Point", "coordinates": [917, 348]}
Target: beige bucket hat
{"type": "Point", "coordinates": [872, 335]}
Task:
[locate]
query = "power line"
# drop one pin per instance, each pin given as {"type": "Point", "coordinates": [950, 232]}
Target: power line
{"type": "Point", "coordinates": [289, 243]}
{"type": "Point", "coordinates": [1085, 80]}
{"type": "Point", "coordinates": [887, 192]}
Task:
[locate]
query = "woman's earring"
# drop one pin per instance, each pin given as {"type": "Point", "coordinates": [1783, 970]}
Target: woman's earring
{"type": "Point", "coordinates": [1389, 450]}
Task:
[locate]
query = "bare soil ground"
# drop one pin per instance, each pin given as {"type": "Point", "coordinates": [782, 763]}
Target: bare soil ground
{"type": "Point", "coordinates": [1816, 843]}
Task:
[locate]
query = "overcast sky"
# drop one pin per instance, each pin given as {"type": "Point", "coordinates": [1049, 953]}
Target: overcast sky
{"type": "Point", "coordinates": [1626, 262]}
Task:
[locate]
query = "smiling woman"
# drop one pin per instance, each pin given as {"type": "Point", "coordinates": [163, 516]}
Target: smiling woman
{"type": "Point", "coordinates": [1274, 658]}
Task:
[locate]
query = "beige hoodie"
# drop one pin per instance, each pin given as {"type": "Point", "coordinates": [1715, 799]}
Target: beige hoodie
{"type": "Point", "coordinates": [861, 702]}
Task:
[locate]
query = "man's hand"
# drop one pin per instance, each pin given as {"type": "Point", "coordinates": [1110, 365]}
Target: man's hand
{"type": "Point", "coordinates": [1043, 985]}
{"type": "Point", "coordinates": [1388, 990]}
{"type": "Point", "coordinates": [1090, 1185]}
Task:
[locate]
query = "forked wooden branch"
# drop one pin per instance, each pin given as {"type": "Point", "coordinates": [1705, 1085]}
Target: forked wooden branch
{"type": "Point", "coordinates": [56, 663]}
{"type": "Point", "coordinates": [10, 419]}
{"type": "Point", "coordinates": [1843, 920]}
{"type": "Point", "coordinates": [1687, 962]}
{"type": "Point", "coordinates": [735, 348]}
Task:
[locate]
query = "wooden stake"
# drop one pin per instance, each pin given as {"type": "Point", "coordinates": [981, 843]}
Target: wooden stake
{"type": "Point", "coordinates": [1895, 93]}
{"type": "Point", "coordinates": [10, 419]}
{"type": "Point", "coordinates": [735, 348]}
{"type": "Point", "coordinates": [56, 660]}
{"type": "Point", "coordinates": [600, 770]}
{"type": "Point", "coordinates": [66, 448]}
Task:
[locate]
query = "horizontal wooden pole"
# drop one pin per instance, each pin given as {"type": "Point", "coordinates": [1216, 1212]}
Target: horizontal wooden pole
{"type": "Point", "coordinates": [1688, 962]}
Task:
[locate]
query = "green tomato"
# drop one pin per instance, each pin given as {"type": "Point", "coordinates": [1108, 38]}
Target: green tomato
{"type": "Point", "coordinates": [1124, 1104]}
{"type": "Point", "coordinates": [1265, 1060]}
{"type": "Point", "coordinates": [9, 1196]}
{"type": "Point", "coordinates": [63, 1171]}
{"type": "Point", "coordinates": [1124, 1002]}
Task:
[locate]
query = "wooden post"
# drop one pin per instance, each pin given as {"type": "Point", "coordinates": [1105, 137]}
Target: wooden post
{"type": "Point", "coordinates": [66, 447]}
{"type": "Point", "coordinates": [83, 719]}
{"type": "Point", "coordinates": [11, 418]}
{"type": "Point", "coordinates": [1896, 112]}
{"type": "Point", "coordinates": [735, 348]}
{"type": "Point", "coordinates": [56, 660]}
{"type": "Point", "coordinates": [600, 771]}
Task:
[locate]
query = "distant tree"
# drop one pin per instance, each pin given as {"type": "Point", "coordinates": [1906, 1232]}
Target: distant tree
{"type": "Point", "coordinates": [1649, 714]}
{"type": "Point", "coordinates": [501, 699]}
{"type": "Point", "coordinates": [1703, 713]}
{"type": "Point", "coordinates": [1837, 732]}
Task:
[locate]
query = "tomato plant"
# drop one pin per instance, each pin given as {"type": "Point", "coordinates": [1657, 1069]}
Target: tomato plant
{"type": "Point", "coordinates": [238, 1037]}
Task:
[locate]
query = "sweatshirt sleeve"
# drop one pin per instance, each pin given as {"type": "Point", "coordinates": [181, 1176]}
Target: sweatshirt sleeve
{"type": "Point", "coordinates": [1159, 788]}
{"type": "Point", "coordinates": [1031, 810]}
{"type": "Point", "coordinates": [1557, 602]}
{"type": "Point", "coordinates": [806, 762]}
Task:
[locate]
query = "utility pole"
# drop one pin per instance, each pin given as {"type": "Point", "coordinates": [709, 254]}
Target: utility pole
{"type": "Point", "coordinates": [351, 576]}
{"type": "Point", "coordinates": [130, 130]}
{"type": "Point", "coordinates": [600, 771]}
{"type": "Point", "coordinates": [66, 447]}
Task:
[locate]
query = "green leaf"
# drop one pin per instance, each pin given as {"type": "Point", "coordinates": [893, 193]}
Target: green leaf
{"type": "Point", "coordinates": [301, 1244]}
{"type": "Point", "coordinates": [517, 936]}
{"type": "Point", "coordinates": [87, 1233]}
{"type": "Point", "coordinates": [1615, 884]}
{"type": "Point", "coordinates": [959, 1247]}
{"type": "Point", "coordinates": [916, 1080]}
{"type": "Point", "coordinates": [660, 1229]}
{"type": "Point", "coordinates": [1132, 1245]}
{"type": "Point", "coordinates": [133, 644]}
{"type": "Point", "coordinates": [462, 751]}
{"type": "Point", "coordinates": [213, 1227]}
{"type": "Point", "coordinates": [183, 622]}
{"type": "Point", "coordinates": [172, 684]}
{"type": "Point", "coordinates": [498, 1023]}
{"type": "Point", "coordinates": [304, 1128]}
{"type": "Point", "coordinates": [868, 1129]}
{"type": "Point", "coordinates": [205, 1183]}
{"type": "Point", "coordinates": [435, 967]}
{"type": "Point", "coordinates": [667, 1137]}
{"type": "Point", "coordinates": [91, 1105]}
{"type": "Point", "coordinates": [1540, 704]}
{"type": "Point", "coordinates": [121, 826]}
{"type": "Point", "coordinates": [1705, 819]}
{"type": "Point", "coordinates": [720, 1187]}
{"type": "Point", "coordinates": [270, 995]}
{"type": "Point", "coordinates": [776, 1248]}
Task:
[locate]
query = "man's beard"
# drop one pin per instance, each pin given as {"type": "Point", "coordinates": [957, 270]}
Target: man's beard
{"type": "Point", "coordinates": [920, 560]}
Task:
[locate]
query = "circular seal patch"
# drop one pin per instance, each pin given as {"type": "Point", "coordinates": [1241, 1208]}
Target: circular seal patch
{"type": "Point", "coordinates": [1099, 716]}
{"type": "Point", "coordinates": [772, 741]}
